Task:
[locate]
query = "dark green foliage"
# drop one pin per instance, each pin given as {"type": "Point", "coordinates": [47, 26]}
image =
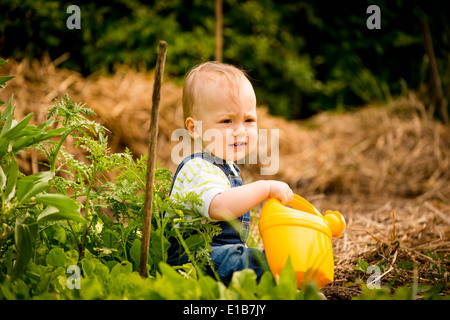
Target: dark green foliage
{"type": "Point", "coordinates": [303, 56]}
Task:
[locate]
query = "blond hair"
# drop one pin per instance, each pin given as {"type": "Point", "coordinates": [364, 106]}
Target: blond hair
{"type": "Point", "coordinates": [227, 74]}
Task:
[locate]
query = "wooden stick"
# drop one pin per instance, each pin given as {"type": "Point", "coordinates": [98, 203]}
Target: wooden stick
{"type": "Point", "coordinates": [436, 80]}
{"type": "Point", "coordinates": [147, 218]}
{"type": "Point", "coordinates": [393, 226]}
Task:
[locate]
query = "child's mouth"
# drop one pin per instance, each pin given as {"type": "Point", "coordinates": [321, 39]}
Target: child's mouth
{"type": "Point", "coordinates": [239, 145]}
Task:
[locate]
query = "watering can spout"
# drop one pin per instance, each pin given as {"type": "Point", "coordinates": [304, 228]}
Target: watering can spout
{"type": "Point", "coordinates": [335, 222]}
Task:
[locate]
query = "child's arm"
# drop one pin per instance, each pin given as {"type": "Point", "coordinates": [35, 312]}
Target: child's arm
{"type": "Point", "coordinates": [234, 202]}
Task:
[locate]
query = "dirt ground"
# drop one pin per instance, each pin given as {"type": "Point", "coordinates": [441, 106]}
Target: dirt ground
{"type": "Point", "coordinates": [393, 233]}
{"type": "Point", "coordinates": [386, 168]}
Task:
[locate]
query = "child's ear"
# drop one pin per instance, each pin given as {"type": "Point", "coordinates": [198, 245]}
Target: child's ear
{"type": "Point", "coordinates": [192, 127]}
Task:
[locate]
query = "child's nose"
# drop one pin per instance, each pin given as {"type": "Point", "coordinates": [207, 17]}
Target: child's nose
{"type": "Point", "coordinates": [239, 129]}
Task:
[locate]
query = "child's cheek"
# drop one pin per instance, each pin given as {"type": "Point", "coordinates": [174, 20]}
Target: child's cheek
{"type": "Point", "coordinates": [253, 136]}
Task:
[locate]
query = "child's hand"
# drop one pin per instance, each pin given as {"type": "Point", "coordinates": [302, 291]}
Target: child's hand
{"type": "Point", "coordinates": [234, 202]}
{"type": "Point", "coordinates": [281, 191]}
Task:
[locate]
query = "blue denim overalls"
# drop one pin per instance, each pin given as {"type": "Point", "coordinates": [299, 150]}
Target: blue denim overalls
{"type": "Point", "coordinates": [229, 252]}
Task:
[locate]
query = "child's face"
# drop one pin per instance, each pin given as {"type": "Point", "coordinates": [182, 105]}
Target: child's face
{"type": "Point", "coordinates": [228, 123]}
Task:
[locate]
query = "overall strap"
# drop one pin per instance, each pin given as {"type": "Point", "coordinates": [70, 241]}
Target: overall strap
{"type": "Point", "coordinates": [229, 234]}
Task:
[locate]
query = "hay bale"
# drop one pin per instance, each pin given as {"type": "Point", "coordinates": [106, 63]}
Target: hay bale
{"type": "Point", "coordinates": [387, 151]}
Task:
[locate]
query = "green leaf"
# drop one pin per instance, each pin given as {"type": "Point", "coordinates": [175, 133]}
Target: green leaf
{"type": "Point", "coordinates": [266, 286]}
{"type": "Point", "coordinates": [373, 294]}
{"type": "Point", "coordinates": [8, 112]}
{"type": "Point", "coordinates": [195, 241]}
{"type": "Point", "coordinates": [72, 257]}
{"type": "Point", "coordinates": [9, 118]}
{"type": "Point", "coordinates": [60, 235]}
{"type": "Point", "coordinates": [32, 136]}
{"type": "Point", "coordinates": [100, 270]}
{"type": "Point", "coordinates": [25, 232]}
{"type": "Point", "coordinates": [244, 282]}
{"type": "Point", "coordinates": [172, 275]}
{"type": "Point", "coordinates": [24, 185]}
{"type": "Point", "coordinates": [310, 291]}
{"type": "Point", "coordinates": [361, 265]}
{"type": "Point", "coordinates": [4, 147]}
{"type": "Point", "coordinates": [3, 81]}
{"type": "Point", "coordinates": [110, 237]}
{"type": "Point", "coordinates": [210, 288]}
{"type": "Point", "coordinates": [287, 285]}
{"type": "Point", "coordinates": [59, 207]}
{"type": "Point", "coordinates": [59, 201]}
{"type": "Point", "coordinates": [125, 267]}
{"type": "Point", "coordinates": [88, 267]}
{"type": "Point", "coordinates": [3, 180]}
{"type": "Point", "coordinates": [56, 257]}
{"type": "Point", "coordinates": [135, 252]}
{"type": "Point", "coordinates": [53, 214]}
{"type": "Point", "coordinates": [434, 291]}
{"type": "Point", "coordinates": [29, 186]}
{"type": "Point", "coordinates": [12, 172]}
{"type": "Point", "coordinates": [408, 265]}
{"type": "Point", "coordinates": [15, 131]}
{"type": "Point", "coordinates": [158, 252]}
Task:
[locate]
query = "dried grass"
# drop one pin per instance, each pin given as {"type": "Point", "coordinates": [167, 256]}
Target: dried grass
{"type": "Point", "coordinates": [390, 234]}
{"type": "Point", "coordinates": [386, 151]}
{"type": "Point", "coordinates": [122, 102]}
{"type": "Point", "coordinates": [386, 168]}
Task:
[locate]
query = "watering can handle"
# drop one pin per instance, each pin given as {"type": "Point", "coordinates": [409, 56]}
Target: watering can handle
{"type": "Point", "coordinates": [301, 204]}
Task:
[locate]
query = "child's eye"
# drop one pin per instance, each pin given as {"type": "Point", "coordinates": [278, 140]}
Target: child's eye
{"type": "Point", "coordinates": [250, 120]}
{"type": "Point", "coordinates": [226, 121]}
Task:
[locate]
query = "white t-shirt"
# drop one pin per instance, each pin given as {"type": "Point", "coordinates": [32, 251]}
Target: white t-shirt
{"type": "Point", "coordinates": [205, 179]}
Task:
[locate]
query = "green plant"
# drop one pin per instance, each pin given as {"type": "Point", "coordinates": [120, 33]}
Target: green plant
{"type": "Point", "coordinates": [403, 291]}
{"type": "Point", "coordinates": [26, 200]}
{"type": "Point", "coordinates": [406, 292]}
{"type": "Point", "coordinates": [88, 175]}
{"type": "Point", "coordinates": [4, 79]}
{"type": "Point", "coordinates": [98, 281]}
{"type": "Point", "coordinates": [112, 188]}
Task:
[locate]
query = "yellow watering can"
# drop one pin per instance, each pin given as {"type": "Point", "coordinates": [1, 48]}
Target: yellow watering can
{"type": "Point", "coordinates": [304, 235]}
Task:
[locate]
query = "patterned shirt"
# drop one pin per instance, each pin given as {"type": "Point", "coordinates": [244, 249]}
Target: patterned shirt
{"type": "Point", "coordinates": [202, 178]}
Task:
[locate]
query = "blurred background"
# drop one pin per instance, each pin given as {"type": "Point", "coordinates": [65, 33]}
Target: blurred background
{"type": "Point", "coordinates": [303, 56]}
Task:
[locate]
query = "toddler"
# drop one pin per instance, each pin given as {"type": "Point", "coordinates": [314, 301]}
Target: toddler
{"type": "Point", "coordinates": [219, 107]}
